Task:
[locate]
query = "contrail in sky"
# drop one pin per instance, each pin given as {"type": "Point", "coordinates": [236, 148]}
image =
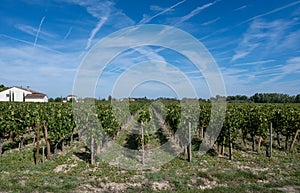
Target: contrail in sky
{"type": "Point", "coordinates": [69, 32]}
{"type": "Point", "coordinates": [270, 12]}
{"type": "Point", "coordinates": [95, 30]}
{"type": "Point", "coordinates": [27, 42]}
{"type": "Point", "coordinates": [38, 31]}
{"type": "Point", "coordinates": [195, 12]}
{"type": "Point", "coordinates": [162, 12]}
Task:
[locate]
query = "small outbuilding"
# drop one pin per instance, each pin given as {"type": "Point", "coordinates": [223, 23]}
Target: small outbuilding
{"type": "Point", "coordinates": [72, 97]}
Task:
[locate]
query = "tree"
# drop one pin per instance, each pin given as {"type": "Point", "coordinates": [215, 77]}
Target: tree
{"type": "Point", "coordinates": [2, 87]}
{"type": "Point", "coordinates": [271, 98]}
{"type": "Point", "coordinates": [58, 99]}
{"type": "Point", "coordinates": [297, 98]}
{"type": "Point", "coordinates": [237, 98]}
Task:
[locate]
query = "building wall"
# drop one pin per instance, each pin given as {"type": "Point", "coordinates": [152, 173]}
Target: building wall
{"type": "Point", "coordinates": [69, 98]}
{"type": "Point", "coordinates": [16, 94]}
{"type": "Point", "coordinates": [45, 99]}
{"type": "Point", "coordinates": [3, 95]}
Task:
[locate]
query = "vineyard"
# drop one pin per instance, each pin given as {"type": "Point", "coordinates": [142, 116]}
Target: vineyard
{"type": "Point", "coordinates": [49, 128]}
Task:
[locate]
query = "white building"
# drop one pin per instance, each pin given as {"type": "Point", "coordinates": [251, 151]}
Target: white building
{"type": "Point", "coordinates": [72, 98]}
{"type": "Point", "coordinates": [19, 94]}
{"type": "Point", "coordinates": [36, 97]}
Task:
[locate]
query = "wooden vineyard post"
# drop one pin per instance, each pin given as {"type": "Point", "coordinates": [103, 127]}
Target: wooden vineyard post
{"type": "Point", "coordinates": [21, 143]}
{"type": "Point", "coordinates": [269, 149]}
{"type": "Point", "coordinates": [55, 149]}
{"type": "Point", "coordinates": [189, 147]}
{"type": "Point", "coordinates": [47, 141]}
{"type": "Point", "coordinates": [143, 147]}
{"type": "Point", "coordinates": [271, 139]}
{"type": "Point", "coordinates": [222, 149]}
{"type": "Point", "coordinates": [230, 145]}
{"type": "Point", "coordinates": [1, 146]}
{"type": "Point", "coordinates": [92, 150]}
{"type": "Point", "coordinates": [278, 139]}
{"type": "Point", "coordinates": [98, 150]}
{"type": "Point", "coordinates": [43, 157]}
{"type": "Point", "coordinates": [294, 140]}
{"type": "Point", "coordinates": [37, 145]}
{"type": "Point", "coordinates": [72, 135]}
{"type": "Point", "coordinates": [259, 143]}
{"type": "Point", "coordinates": [33, 141]}
{"type": "Point", "coordinates": [62, 145]}
{"type": "Point", "coordinates": [253, 141]}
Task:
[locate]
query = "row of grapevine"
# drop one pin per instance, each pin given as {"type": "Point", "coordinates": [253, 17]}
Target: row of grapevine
{"type": "Point", "coordinates": [254, 120]}
{"type": "Point", "coordinates": [245, 121]}
{"type": "Point", "coordinates": [20, 120]}
{"type": "Point", "coordinates": [96, 123]}
{"type": "Point", "coordinates": [248, 122]}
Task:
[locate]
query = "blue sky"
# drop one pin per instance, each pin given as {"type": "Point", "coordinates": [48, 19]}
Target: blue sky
{"type": "Point", "coordinates": [256, 44]}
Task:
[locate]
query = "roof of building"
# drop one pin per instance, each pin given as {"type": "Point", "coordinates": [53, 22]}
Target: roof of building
{"type": "Point", "coordinates": [26, 89]}
{"type": "Point", "coordinates": [71, 95]}
{"type": "Point", "coordinates": [35, 96]}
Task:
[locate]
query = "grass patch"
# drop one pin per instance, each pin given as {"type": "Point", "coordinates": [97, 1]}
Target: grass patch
{"type": "Point", "coordinates": [69, 172]}
{"type": "Point", "coordinates": [235, 176]}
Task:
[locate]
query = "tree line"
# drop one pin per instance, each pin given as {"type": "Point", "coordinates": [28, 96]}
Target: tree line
{"type": "Point", "coordinates": [265, 98]}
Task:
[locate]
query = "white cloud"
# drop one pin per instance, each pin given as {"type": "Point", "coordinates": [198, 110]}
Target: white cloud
{"type": "Point", "coordinates": [254, 63]}
{"type": "Point", "coordinates": [101, 11]}
{"type": "Point", "coordinates": [33, 31]}
{"type": "Point", "coordinates": [105, 12]}
{"type": "Point", "coordinates": [42, 69]}
{"type": "Point", "coordinates": [136, 55]}
{"type": "Point", "coordinates": [27, 29]}
{"type": "Point", "coordinates": [153, 71]}
{"type": "Point", "coordinates": [292, 66]}
{"type": "Point", "coordinates": [271, 12]}
{"type": "Point", "coordinates": [131, 67]}
{"type": "Point", "coordinates": [266, 35]}
{"type": "Point", "coordinates": [27, 42]}
{"type": "Point", "coordinates": [278, 77]}
{"type": "Point", "coordinates": [291, 41]}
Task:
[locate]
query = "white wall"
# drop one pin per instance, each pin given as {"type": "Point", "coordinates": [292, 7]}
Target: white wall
{"type": "Point", "coordinates": [16, 92]}
{"type": "Point", "coordinates": [71, 98]}
{"type": "Point", "coordinates": [3, 96]}
{"type": "Point", "coordinates": [45, 99]}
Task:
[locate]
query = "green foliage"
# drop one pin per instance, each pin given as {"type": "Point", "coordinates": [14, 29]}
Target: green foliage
{"type": "Point", "coordinates": [2, 87]}
{"type": "Point", "coordinates": [99, 119]}
{"type": "Point", "coordinates": [272, 98]}
{"type": "Point", "coordinates": [19, 119]}
{"type": "Point", "coordinates": [143, 117]}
